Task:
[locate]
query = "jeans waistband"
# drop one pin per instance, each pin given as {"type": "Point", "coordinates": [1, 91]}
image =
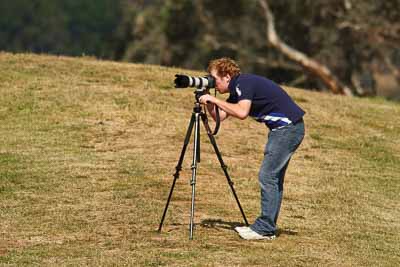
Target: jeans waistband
{"type": "Point", "coordinates": [288, 125]}
{"type": "Point", "coordinates": [298, 121]}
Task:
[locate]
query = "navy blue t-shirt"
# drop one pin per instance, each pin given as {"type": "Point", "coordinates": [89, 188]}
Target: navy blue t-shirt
{"type": "Point", "coordinates": [270, 104]}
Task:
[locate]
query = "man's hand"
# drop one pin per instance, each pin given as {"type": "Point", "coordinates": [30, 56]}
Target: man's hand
{"type": "Point", "coordinates": [239, 110]}
{"type": "Point", "coordinates": [207, 98]}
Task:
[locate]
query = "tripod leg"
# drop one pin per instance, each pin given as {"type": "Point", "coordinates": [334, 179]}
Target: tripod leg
{"type": "Point", "coordinates": [223, 166]}
{"type": "Point", "coordinates": [198, 142]}
{"type": "Point", "coordinates": [178, 167]}
{"type": "Point", "coordinates": [196, 153]}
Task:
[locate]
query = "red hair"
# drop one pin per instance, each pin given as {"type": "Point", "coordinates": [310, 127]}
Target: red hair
{"type": "Point", "coordinates": [224, 66]}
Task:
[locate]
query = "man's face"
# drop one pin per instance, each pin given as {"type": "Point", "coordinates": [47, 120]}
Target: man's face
{"type": "Point", "coordinates": [221, 83]}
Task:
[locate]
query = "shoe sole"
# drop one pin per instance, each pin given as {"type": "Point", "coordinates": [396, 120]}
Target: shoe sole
{"type": "Point", "coordinates": [245, 230]}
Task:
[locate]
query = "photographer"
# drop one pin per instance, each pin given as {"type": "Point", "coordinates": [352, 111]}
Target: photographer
{"type": "Point", "coordinates": [267, 103]}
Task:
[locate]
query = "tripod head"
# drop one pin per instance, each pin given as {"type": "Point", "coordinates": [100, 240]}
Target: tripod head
{"type": "Point", "coordinates": [197, 109]}
{"type": "Point", "coordinates": [202, 85]}
{"type": "Point", "coordinates": [200, 92]}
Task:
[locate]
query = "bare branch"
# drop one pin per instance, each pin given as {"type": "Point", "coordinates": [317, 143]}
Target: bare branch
{"type": "Point", "coordinates": [309, 64]}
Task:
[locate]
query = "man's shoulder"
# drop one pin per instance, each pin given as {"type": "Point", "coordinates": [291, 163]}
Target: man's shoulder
{"type": "Point", "coordinates": [256, 82]}
{"type": "Point", "coordinates": [246, 81]}
{"type": "Point", "coordinates": [249, 78]}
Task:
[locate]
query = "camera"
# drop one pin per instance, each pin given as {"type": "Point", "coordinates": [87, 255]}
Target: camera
{"type": "Point", "coordinates": [204, 83]}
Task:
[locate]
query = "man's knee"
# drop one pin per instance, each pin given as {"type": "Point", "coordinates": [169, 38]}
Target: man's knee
{"type": "Point", "coordinates": [268, 180]}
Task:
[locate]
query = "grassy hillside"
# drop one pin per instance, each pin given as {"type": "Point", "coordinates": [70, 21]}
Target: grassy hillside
{"type": "Point", "coordinates": [88, 149]}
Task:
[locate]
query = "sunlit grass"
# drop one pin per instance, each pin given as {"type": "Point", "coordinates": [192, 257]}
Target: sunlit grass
{"type": "Point", "coordinates": [88, 149]}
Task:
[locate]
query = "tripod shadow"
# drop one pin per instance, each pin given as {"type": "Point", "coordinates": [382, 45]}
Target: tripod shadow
{"type": "Point", "coordinates": [220, 224]}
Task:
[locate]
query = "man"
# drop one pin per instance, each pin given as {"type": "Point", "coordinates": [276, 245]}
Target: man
{"type": "Point", "coordinates": [267, 103]}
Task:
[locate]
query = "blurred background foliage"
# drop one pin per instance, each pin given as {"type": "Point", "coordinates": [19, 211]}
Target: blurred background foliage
{"type": "Point", "coordinates": [359, 40]}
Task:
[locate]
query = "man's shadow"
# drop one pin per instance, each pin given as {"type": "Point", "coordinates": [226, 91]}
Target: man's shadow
{"type": "Point", "coordinates": [220, 224]}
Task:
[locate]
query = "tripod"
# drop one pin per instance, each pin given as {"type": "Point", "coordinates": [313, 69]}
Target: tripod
{"type": "Point", "coordinates": [195, 122]}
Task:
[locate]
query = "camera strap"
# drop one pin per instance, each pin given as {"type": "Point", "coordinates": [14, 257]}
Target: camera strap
{"type": "Point", "coordinates": [217, 117]}
{"type": "Point", "coordinates": [217, 120]}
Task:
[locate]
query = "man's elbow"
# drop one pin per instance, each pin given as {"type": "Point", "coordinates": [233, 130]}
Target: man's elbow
{"type": "Point", "coordinates": [242, 115]}
{"type": "Point", "coordinates": [243, 109]}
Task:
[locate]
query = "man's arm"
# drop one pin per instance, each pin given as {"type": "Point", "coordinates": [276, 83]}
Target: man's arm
{"type": "Point", "coordinates": [239, 110]}
{"type": "Point", "coordinates": [212, 110]}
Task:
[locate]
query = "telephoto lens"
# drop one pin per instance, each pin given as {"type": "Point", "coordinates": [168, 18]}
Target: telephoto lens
{"type": "Point", "coordinates": [183, 81]}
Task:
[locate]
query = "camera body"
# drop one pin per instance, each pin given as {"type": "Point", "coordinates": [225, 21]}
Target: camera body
{"type": "Point", "coordinates": [201, 83]}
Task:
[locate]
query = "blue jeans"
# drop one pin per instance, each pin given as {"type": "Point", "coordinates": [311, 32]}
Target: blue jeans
{"type": "Point", "coordinates": [281, 145]}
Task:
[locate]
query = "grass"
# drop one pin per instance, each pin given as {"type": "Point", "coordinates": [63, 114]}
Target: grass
{"type": "Point", "coordinates": [88, 149]}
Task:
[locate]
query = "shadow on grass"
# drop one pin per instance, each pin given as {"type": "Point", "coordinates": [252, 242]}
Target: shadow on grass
{"type": "Point", "coordinates": [218, 223]}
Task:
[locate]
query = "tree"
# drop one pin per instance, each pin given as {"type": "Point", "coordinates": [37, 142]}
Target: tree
{"type": "Point", "coordinates": [355, 40]}
{"type": "Point", "coordinates": [309, 64]}
{"type": "Point", "coordinates": [61, 27]}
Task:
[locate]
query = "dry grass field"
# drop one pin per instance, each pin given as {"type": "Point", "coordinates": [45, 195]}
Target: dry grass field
{"type": "Point", "coordinates": [88, 149]}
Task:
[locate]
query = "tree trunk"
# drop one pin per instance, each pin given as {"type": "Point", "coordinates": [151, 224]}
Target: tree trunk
{"type": "Point", "coordinates": [309, 64]}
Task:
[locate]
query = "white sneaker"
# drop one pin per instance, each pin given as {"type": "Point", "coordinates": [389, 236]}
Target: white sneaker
{"type": "Point", "coordinates": [245, 232]}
